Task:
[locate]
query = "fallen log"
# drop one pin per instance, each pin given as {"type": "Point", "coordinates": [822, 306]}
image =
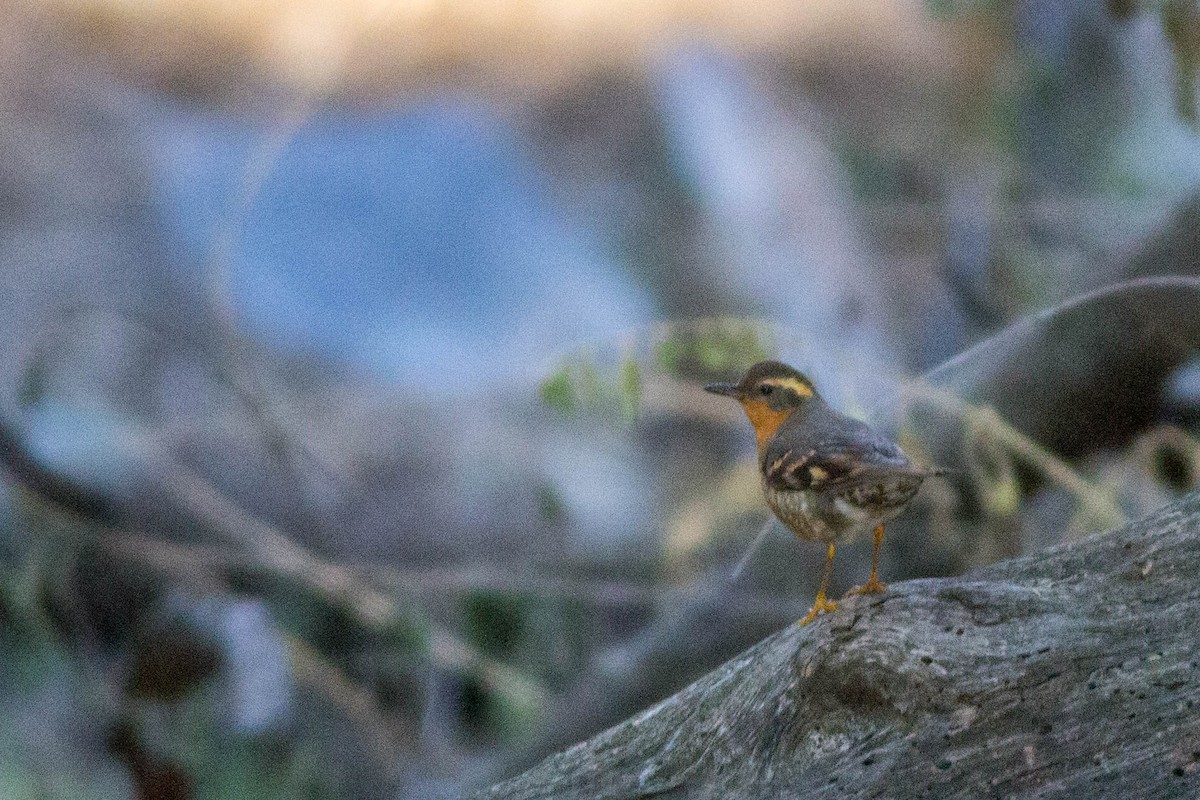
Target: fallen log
{"type": "Point", "coordinates": [1070, 672]}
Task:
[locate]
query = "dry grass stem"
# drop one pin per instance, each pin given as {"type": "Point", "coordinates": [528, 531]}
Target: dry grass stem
{"type": "Point", "coordinates": [1099, 509]}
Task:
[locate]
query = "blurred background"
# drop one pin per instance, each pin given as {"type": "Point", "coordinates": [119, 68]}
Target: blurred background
{"type": "Point", "coordinates": [351, 352]}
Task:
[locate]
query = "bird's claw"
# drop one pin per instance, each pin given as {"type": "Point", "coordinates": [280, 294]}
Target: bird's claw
{"type": "Point", "coordinates": [873, 586]}
{"type": "Point", "coordinates": [820, 605]}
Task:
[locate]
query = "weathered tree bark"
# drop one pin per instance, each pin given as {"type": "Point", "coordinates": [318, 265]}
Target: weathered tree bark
{"type": "Point", "coordinates": [1072, 672]}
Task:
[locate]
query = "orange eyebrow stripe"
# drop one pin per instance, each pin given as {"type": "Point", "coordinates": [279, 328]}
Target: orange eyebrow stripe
{"type": "Point", "coordinates": [798, 386]}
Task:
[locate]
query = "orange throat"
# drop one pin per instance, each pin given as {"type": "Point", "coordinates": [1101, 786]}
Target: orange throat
{"type": "Point", "coordinates": [765, 420]}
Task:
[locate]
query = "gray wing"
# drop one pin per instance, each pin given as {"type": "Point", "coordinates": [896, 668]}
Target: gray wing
{"type": "Point", "coordinates": [854, 455]}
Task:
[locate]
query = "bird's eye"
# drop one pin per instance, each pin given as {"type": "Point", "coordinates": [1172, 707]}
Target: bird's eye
{"type": "Point", "coordinates": [766, 389]}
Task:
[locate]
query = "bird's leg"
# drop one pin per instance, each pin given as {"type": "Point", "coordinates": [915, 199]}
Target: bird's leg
{"type": "Point", "coordinates": [821, 603]}
{"type": "Point", "coordinates": [873, 585]}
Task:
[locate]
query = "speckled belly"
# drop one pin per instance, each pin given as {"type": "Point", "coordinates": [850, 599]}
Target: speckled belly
{"type": "Point", "coordinates": [824, 518]}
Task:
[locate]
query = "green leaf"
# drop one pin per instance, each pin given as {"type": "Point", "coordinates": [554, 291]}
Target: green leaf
{"type": "Point", "coordinates": [1181, 25]}
{"type": "Point", "coordinates": [668, 355]}
{"type": "Point", "coordinates": [557, 391]}
{"type": "Point", "coordinates": [713, 347]}
{"type": "Point", "coordinates": [611, 386]}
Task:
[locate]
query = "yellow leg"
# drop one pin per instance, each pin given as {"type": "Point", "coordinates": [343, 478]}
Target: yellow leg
{"type": "Point", "coordinates": [821, 603]}
{"type": "Point", "coordinates": [873, 585]}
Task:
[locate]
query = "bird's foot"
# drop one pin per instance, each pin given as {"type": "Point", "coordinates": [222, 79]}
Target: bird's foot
{"type": "Point", "coordinates": [873, 586]}
{"type": "Point", "coordinates": [820, 605]}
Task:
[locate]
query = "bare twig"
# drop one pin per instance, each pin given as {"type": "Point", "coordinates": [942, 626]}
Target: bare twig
{"type": "Point", "coordinates": [260, 546]}
{"type": "Point", "coordinates": [356, 702]}
{"type": "Point", "coordinates": [343, 585]}
{"type": "Point", "coordinates": [1099, 507]}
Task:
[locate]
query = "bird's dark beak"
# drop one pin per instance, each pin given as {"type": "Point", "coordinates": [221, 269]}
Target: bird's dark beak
{"type": "Point", "coordinates": [724, 389]}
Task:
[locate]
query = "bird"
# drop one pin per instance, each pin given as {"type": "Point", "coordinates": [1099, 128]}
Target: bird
{"type": "Point", "coordinates": [826, 476]}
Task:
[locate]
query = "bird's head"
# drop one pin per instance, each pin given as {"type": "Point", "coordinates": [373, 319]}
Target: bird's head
{"type": "Point", "coordinates": [769, 392]}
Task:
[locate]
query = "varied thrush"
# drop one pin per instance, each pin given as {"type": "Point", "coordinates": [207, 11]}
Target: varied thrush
{"type": "Point", "coordinates": [826, 476]}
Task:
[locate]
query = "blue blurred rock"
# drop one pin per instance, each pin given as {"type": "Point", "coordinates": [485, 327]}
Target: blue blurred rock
{"type": "Point", "coordinates": [415, 243]}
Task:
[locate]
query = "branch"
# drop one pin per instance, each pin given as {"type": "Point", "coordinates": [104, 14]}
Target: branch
{"type": "Point", "coordinates": [1065, 672]}
{"type": "Point", "coordinates": [258, 545]}
{"type": "Point", "coordinates": [1098, 505]}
